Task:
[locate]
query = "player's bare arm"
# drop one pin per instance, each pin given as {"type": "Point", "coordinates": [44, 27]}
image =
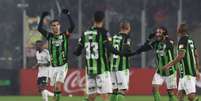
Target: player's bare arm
{"type": "Point", "coordinates": [178, 58]}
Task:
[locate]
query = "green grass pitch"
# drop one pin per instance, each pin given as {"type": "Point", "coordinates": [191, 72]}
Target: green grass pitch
{"type": "Point", "coordinates": [76, 98]}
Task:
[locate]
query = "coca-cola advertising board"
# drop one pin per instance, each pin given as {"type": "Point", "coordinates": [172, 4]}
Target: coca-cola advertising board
{"type": "Point", "coordinates": [140, 82]}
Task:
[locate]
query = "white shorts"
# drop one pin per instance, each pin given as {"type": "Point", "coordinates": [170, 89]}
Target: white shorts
{"type": "Point", "coordinates": [120, 79]}
{"type": "Point", "coordinates": [100, 84]}
{"type": "Point", "coordinates": [171, 81]}
{"type": "Point", "coordinates": [58, 74]}
{"type": "Point", "coordinates": [188, 84]}
{"type": "Point", "coordinates": [43, 72]}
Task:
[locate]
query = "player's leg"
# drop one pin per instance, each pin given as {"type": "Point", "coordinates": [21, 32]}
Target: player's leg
{"type": "Point", "coordinates": [42, 86]}
{"type": "Point", "coordinates": [49, 93]}
{"type": "Point", "coordinates": [171, 95]}
{"type": "Point", "coordinates": [156, 82]}
{"type": "Point", "coordinates": [123, 80]}
{"type": "Point", "coordinates": [193, 97]}
{"type": "Point", "coordinates": [171, 82]}
{"type": "Point", "coordinates": [104, 85]}
{"type": "Point", "coordinates": [181, 91]}
{"type": "Point", "coordinates": [121, 95]}
{"type": "Point", "coordinates": [113, 96]}
{"type": "Point", "coordinates": [92, 97]}
{"type": "Point", "coordinates": [91, 88]}
{"type": "Point", "coordinates": [156, 93]}
{"type": "Point", "coordinates": [105, 97]}
{"type": "Point", "coordinates": [57, 91]}
{"type": "Point", "coordinates": [181, 95]}
{"type": "Point", "coordinates": [60, 73]}
{"type": "Point", "coordinates": [86, 87]}
{"type": "Point", "coordinates": [190, 88]}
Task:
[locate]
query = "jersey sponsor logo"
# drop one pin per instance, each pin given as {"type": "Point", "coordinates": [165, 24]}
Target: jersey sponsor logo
{"type": "Point", "coordinates": [90, 33]}
{"type": "Point", "coordinates": [57, 42]}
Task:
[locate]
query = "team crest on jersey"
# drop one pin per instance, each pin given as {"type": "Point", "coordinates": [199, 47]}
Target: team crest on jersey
{"type": "Point", "coordinates": [181, 46]}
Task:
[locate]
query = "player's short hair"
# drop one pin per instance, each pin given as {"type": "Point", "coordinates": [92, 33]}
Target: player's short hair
{"type": "Point", "coordinates": [54, 20]}
{"type": "Point", "coordinates": [125, 25]}
{"type": "Point", "coordinates": [99, 16]}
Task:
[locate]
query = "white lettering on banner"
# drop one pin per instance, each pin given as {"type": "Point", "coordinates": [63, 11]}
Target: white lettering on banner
{"type": "Point", "coordinates": [74, 82]}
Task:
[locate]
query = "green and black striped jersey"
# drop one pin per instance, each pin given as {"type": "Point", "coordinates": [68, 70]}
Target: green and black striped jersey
{"type": "Point", "coordinates": [117, 62]}
{"type": "Point", "coordinates": [58, 47]}
{"type": "Point", "coordinates": [188, 63]}
{"type": "Point", "coordinates": [57, 44]}
{"type": "Point", "coordinates": [93, 41]}
{"type": "Point", "coordinates": [164, 51]}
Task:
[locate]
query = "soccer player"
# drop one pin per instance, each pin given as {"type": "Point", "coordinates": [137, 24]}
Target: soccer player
{"type": "Point", "coordinates": [96, 42]}
{"type": "Point", "coordinates": [43, 65]}
{"type": "Point", "coordinates": [188, 58]}
{"type": "Point", "coordinates": [58, 47]}
{"type": "Point", "coordinates": [120, 64]}
{"type": "Point", "coordinates": [164, 51]}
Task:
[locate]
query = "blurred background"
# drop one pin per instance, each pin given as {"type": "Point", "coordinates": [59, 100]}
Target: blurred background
{"type": "Point", "coordinates": [19, 20]}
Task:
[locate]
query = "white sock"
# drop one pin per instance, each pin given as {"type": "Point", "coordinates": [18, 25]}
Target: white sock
{"type": "Point", "coordinates": [44, 95]}
{"type": "Point", "coordinates": [49, 93]}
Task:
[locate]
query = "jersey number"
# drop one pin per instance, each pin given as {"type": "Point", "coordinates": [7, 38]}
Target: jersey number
{"type": "Point", "coordinates": [91, 50]}
{"type": "Point", "coordinates": [116, 46]}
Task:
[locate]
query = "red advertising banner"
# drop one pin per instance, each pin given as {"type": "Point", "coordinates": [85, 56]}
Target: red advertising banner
{"type": "Point", "coordinates": [140, 82]}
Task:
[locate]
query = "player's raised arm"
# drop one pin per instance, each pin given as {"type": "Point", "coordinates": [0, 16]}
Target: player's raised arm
{"type": "Point", "coordinates": [72, 25]}
{"type": "Point", "coordinates": [40, 26]}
